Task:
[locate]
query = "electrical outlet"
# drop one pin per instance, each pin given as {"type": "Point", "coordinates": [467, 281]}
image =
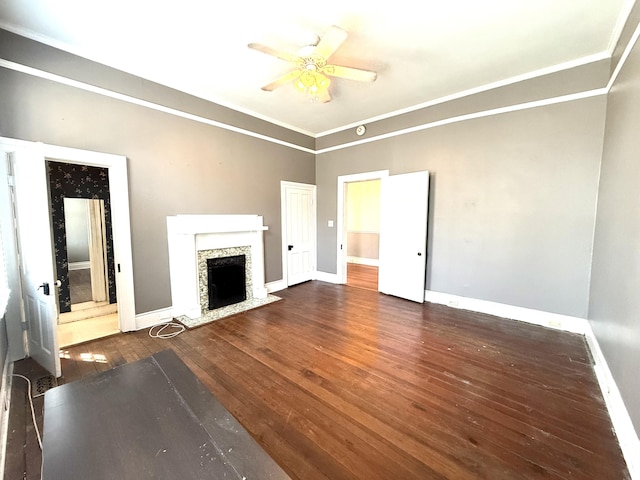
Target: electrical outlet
{"type": "Point", "coordinates": [330, 224]}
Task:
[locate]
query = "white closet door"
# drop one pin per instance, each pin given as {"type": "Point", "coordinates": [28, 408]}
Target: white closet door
{"type": "Point", "coordinates": [300, 236]}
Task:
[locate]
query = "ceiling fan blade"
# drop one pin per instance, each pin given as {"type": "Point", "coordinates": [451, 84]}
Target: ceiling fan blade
{"type": "Point", "coordinates": [330, 42]}
{"type": "Point", "coordinates": [273, 52]}
{"type": "Point", "coordinates": [350, 73]}
{"type": "Point", "coordinates": [286, 78]}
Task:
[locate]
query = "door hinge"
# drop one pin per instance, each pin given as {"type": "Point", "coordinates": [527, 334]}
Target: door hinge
{"type": "Point", "coordinates": [25, 326]}
{"type": "Point", "coordinates": [11, 181]}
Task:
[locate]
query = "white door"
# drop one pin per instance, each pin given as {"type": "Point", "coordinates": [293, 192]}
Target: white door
{"type": "Point", "coordinates": [38, 276]}
{"type": "Point", "coordinates": [403, 235]}
{"type": "Point", "coordinates": [299, 231]}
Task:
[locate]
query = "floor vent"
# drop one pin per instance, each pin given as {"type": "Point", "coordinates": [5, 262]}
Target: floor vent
{"type": "Point", "coordinates": [43, 384]}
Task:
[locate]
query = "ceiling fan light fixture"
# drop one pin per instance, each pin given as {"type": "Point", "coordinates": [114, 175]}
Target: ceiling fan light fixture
{"type": "Point", "coordinates": [311, 74]}
{"type": "Point", "coordinates": [312, 83]}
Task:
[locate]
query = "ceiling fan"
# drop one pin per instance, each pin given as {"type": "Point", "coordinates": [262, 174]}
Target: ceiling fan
{"type": "Point", "coordinates": [312, 71]}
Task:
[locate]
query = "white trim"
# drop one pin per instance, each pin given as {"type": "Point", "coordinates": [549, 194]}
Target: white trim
{"type": "Point", "coordinates": [155, 317]}
{"type": "Point", "coordinates": [172, 111]}
{"type": "Point", "coordinates": [619, 26]}
{"type": "Point", "coordinates": [470, 116]}
{"type": "Point", "coordinates": [474, 91]}
{"type": "Point", "coordinates": [79, 265]}
{"type": "Point", "coordinates": [189, 234]}
{"type": "Point", "coordinates": [372, 262]}
{"type": "Point", "coordinates": [5, 405]}
{"type": "Point", "coordinates": [276, 286]}
{"type": "Point", "coordinates": [341, 233]}
{"type": "Point", "coordinates": [121, 228]}
{"type": "Point", "coordinates": [623, 58]}
{"type": "Point", "coordinates": [142, 103]}
{"type": "Point", "coordinates": [622, 424]}
{"type": "Point", "coordinates": [537, 317]}
{"type": "Point", "coordinates": [121, 224]}
{"type": "Point", "coordinates": [23, 32]}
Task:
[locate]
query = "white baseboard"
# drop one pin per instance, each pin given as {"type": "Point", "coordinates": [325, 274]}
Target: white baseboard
{"type": "Point", "coordinates": [156, 317]}
{"type": "Point", "coordinates": [276, 286]}
{"type": "Point", "coordinates": [327, 277]}
{"type": "Point", "coordinates": [537, 317]}
{"type": "Point", "coordinates": [372, 262]}
{"type": "Point", "coordinates": [622, 424]}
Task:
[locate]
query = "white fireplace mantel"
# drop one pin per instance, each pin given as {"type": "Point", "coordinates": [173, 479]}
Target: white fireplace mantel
{"type": "Point", "coordinates": [187, 234]}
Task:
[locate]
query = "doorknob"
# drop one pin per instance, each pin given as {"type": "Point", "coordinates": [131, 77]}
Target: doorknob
{"type": "Point", "coordinates": [290, 247]}
{"type": "Point", "coordinates": [45, 288]}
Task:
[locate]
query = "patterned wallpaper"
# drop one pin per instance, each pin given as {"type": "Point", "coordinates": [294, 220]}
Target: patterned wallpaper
{"type": "Point", "coordinates": [77, 181]}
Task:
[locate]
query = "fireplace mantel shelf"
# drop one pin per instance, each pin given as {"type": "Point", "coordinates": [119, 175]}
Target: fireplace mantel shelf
{"type": "Point", "coordinates": [222, 230]}
{"type": "Point", "coordinates": [202, 224]}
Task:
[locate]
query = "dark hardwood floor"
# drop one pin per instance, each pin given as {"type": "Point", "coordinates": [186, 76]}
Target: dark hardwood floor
{"type": "Point", "coordinates": [337, 383]}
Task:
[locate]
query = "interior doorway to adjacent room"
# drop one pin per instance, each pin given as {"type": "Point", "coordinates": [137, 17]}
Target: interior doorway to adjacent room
{"type": "Point", "coordinates": [362, 226]}
{"type": "Point", "coordinates": [358, 225]}
{"type": "Point", "coordinates": [92, 315]}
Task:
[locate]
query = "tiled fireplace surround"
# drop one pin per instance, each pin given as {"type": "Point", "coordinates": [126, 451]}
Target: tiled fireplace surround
{"type": "Point", "coordinates": [194, 238]}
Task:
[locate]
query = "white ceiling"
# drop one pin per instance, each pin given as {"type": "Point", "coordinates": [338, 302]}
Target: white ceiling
{"type": "Point", "coordinates": [422, 50]}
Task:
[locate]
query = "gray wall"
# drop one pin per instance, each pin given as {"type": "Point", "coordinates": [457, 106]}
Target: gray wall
{"type": "Point", "coordinates": [176, 166]}
{"type": "Point", "coordinates": [512, 202]}
{"type": "Point", "coordinates": [513, 196]}
{"type": "Point", "coordinates": [614, 309]}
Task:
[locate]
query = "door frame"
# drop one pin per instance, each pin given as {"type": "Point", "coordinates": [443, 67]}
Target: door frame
{"type": "Point", "coordinates": [284, 219]}
{"type": "Point", "coordinates": [341, 250]}
{"type": "Point", "coordinates": [121, 227]}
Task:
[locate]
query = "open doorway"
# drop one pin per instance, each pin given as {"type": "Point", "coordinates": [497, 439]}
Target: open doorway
{"type": "Point", "coordinates": [83, 244]}
{"type": "Point", "coordinates": [362, 226]}
{"type": "Point", "coordinates": [92, 315]}
{"type": "Point", "coordinates": [38, 281]}
{"type": "Point", "coordinates": [358, 223]}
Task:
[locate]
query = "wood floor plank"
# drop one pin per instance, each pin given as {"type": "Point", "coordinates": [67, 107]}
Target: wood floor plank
{"type": "Point", "coordinates": [387, 394]}
{"type": "Point", "coordinates": [336, 382]}
{"type": "Point", "coordinates": [362, 276]}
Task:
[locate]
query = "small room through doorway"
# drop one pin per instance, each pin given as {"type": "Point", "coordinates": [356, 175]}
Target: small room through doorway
{"type": "Point", "coordinates": [91, 315]}
{"type": "Point", "coordinates": [83, 241]}
{"type": "Point", "coordinates": [362, 229]}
